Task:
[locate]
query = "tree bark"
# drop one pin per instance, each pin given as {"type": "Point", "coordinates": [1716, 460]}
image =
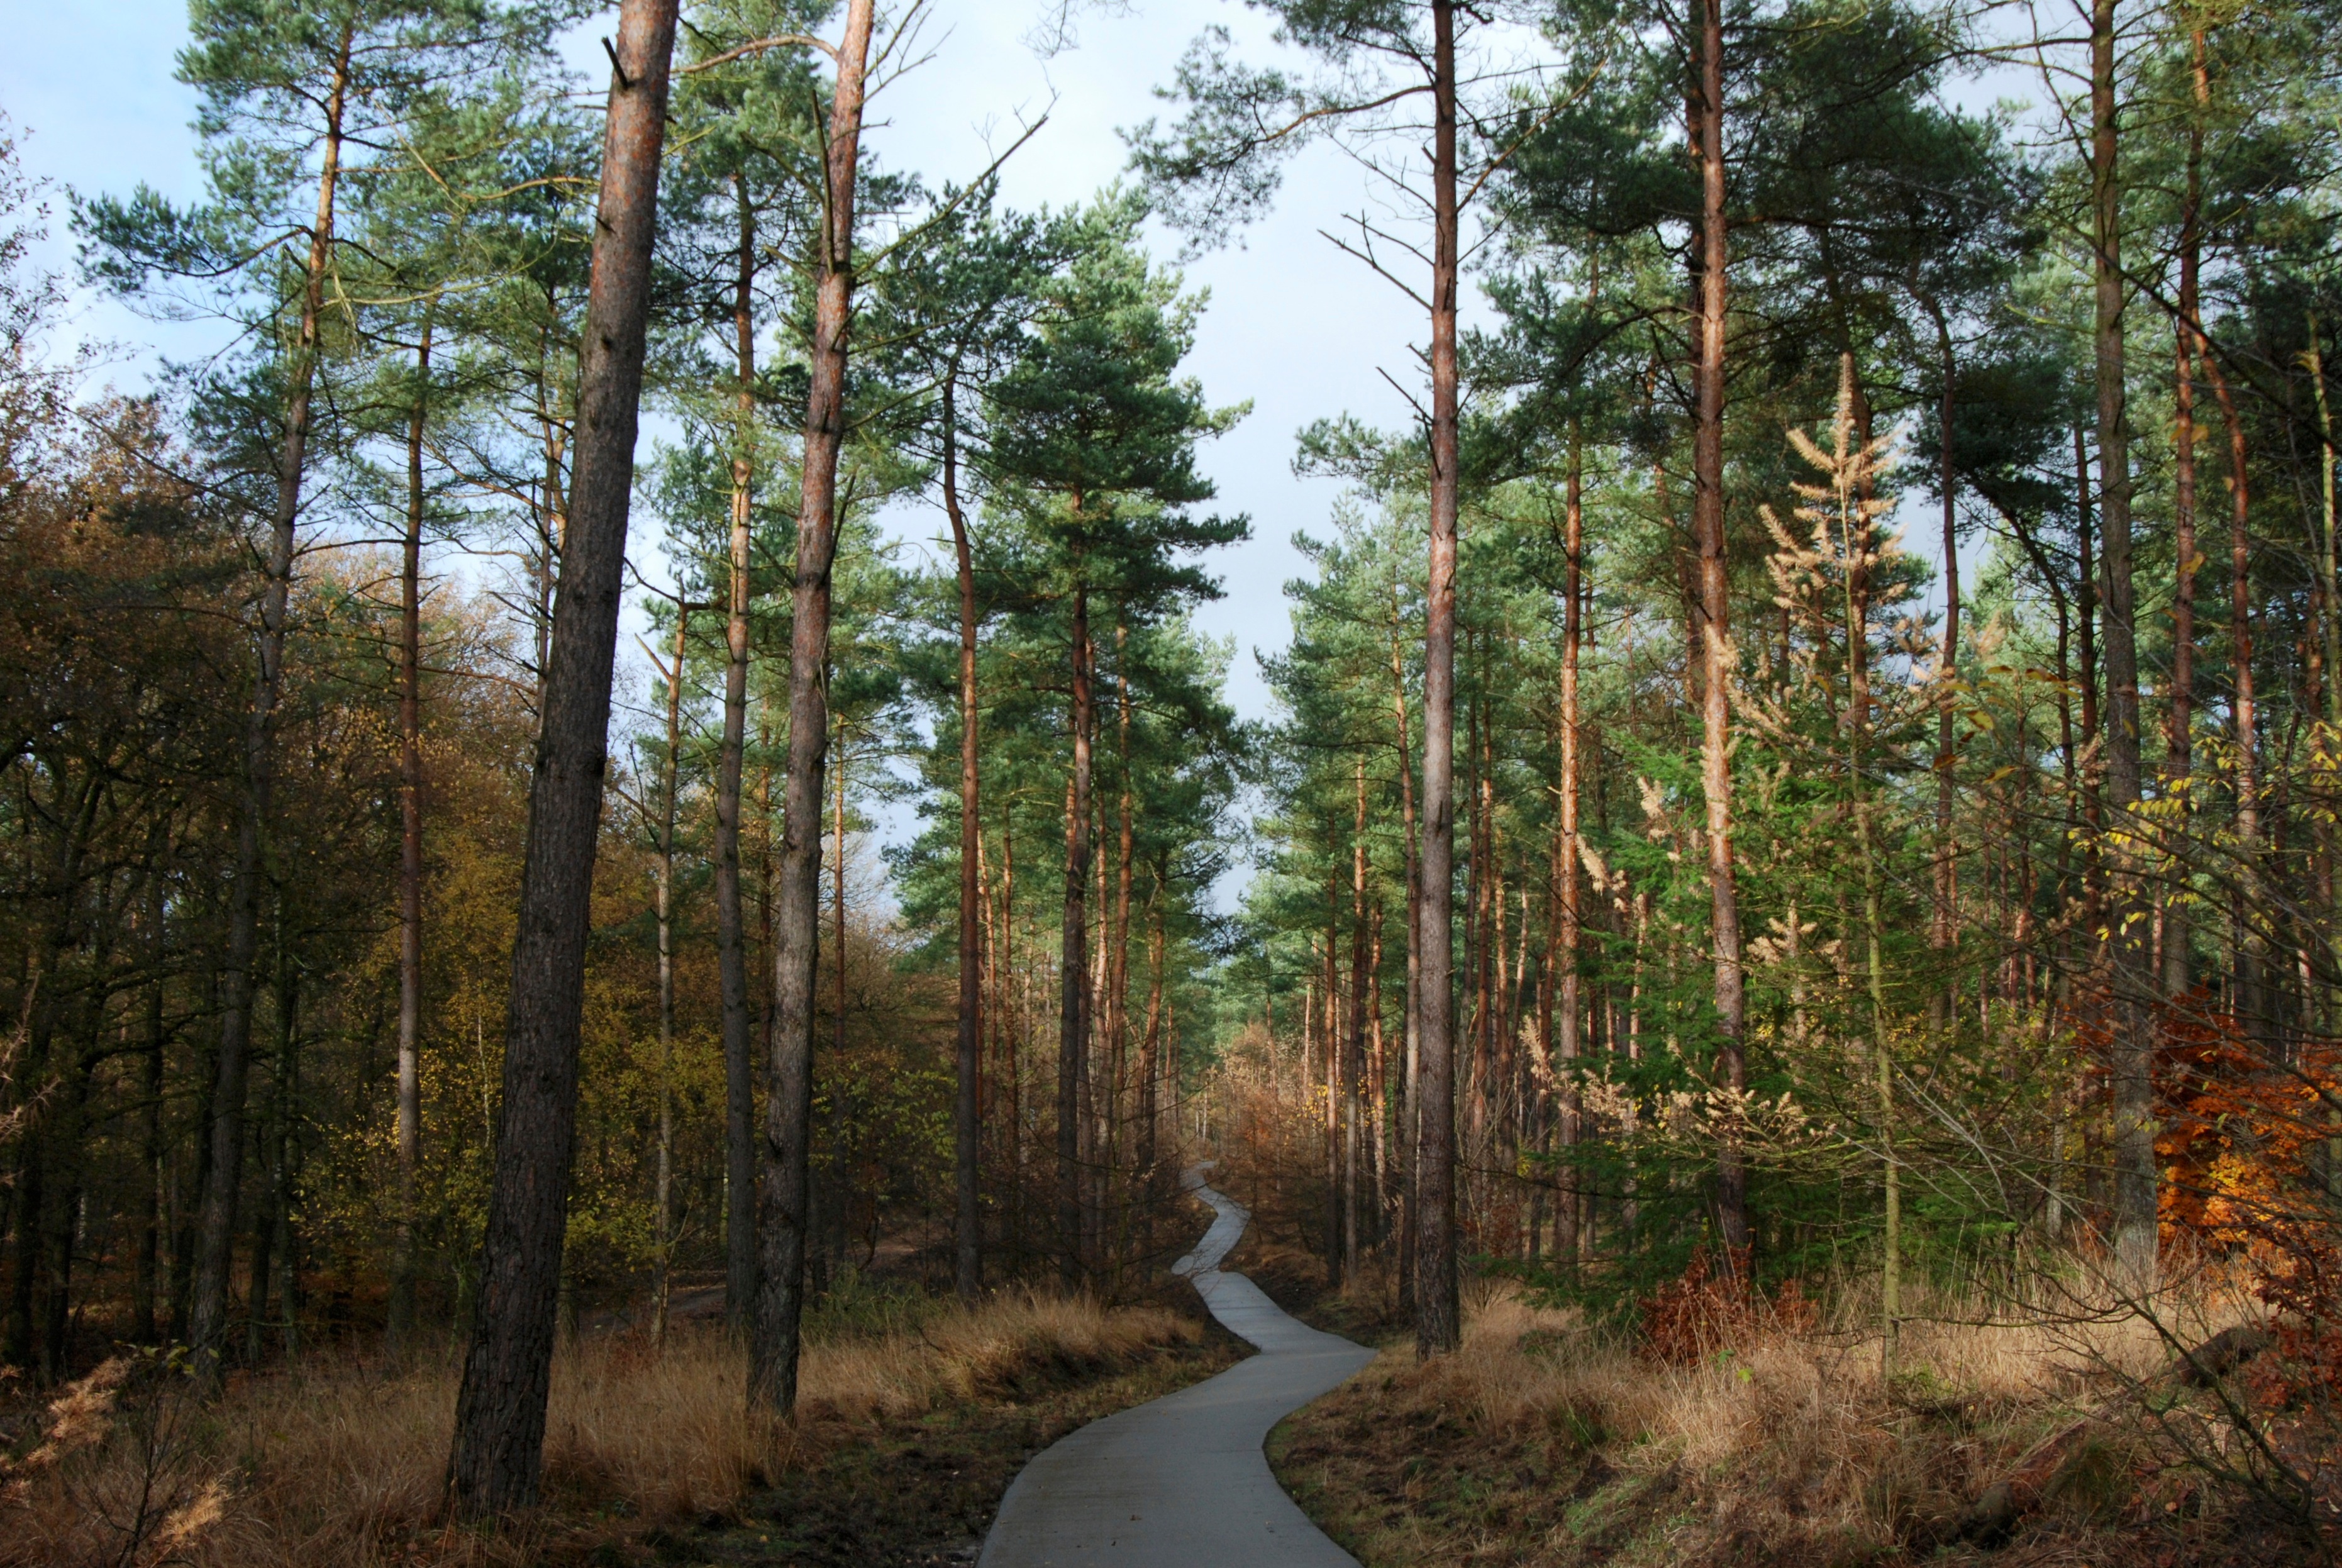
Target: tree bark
{"type": "Point", "coordinates": [670, 781]}
{"type": "Point", "coordinates": [500, 1407]}
{"type": "Point", "coordinates": [2134, 1051]}
{"type": "Point", "coordinates": [1408, 1107]}
{"type": "Point", "coordinates": [1712, 254]}
{"type": "Point", "coordinates": [2252, 1008]}
{"type": "Point", "coordinates": [968, 1228]}
{"type": "Point", "coordinates": [1942, 934]}
{"type": "Point", "coordinates": [1438, 1313]}
{"type": "Point", "coordinates": [1565, 961]}
{"type": "Point", "coordinates": [1073, 1014]}
{"type": "Point", "coordinates": [2180, 725]}
{"type": "Point", "coordinates": [1117, 955]}
{"type": "Point", "coordinates": [401, 1325]}
{"type": "Point", "coordinates": [148, 1280]}
{"type": "Point", "coordinates": [782, 1210]}
{"type": "Point", "coordinates": [1354, 1063]}
{"type": "Point", "coordinates": [1152, 1064]}
{"type": "Point", "coordinates": [731, 933]}
{"type": "Point", "coordinates": [215, 1233]}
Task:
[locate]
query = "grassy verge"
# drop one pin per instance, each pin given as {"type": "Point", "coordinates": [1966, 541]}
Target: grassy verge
{"type": "Point", "coordinates": [1540, 1444]}
{"type": "Point", "coordinates": [912, 1421]}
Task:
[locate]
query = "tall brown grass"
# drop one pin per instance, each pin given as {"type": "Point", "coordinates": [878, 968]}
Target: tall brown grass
{"type": "Point", "coordinates": [335, 1461]}
{"type": "Point", "coordinates": [1787, 1446]}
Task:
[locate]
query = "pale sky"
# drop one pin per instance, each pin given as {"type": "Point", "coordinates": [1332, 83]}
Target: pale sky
{"type": "Point", "coordinates": [1294, 326]}
{"type": "Point", "coordinates": [1300, 331]}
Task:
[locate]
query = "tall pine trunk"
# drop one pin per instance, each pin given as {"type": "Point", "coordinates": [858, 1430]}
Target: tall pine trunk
{"type": "Point", "coordinates": [401, 1325]}
{"type": "Point", "coordinates": [1409, 1098]}
{"type": "Point", "coordinates": [1565, 982]}
{"type": "Point", "coordinates": [1942, 933]}
{"type": "Point", "coordinates": [499, 1440]}
{"type": "Point", "coordinates": [1438, 1314]}
{"type": "Point", "coordinates": [670, 782]}
{"type": "Point", "coordinates": [967, 1223]}
{"type": "Point", "coordinates": [2134, 1049]}
{"type": "Point", "coordinates": [1710, 257]}
{"type": "Point", "coordinates": [1073, 972]}
{"type": "Point", "coordinates": [1117, 965]}
{"type": "Point", "coordinates": [2179, 725]}
{"type": "Point", "coordinates": [731, 932]}
{"type": "Point", "coordinates": [2252, 1006]}
{"type": "Point", "coordinates": [1354, 1061]}
{"type": "Point", "coordinates": [215, 1228]}
{"type": "Point", "coordinates": [784, 1215]}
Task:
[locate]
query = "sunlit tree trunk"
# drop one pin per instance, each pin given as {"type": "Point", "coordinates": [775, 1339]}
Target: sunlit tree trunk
{"type": "Point", "coordinates": [409, 1113]}
{"type": "Point", "coordinates": [1073, 1015]}
{"type": "Point", "coordinates": [731, 932]}
{"type": "Point", "coordinates": [500, 1407]}
{"type": "Point", "coordinates": [1711, 253]}
{"type": "Point", "coordinates": [1409, 1098]}
{"type": "Point", "coordinates": [2134, 1050]}
{"type": "Point", "coordinates": [783, 1213]}
{"type": "Point", "coordinates": [967, 1220]}
{"type": "Point", "coordinates": [1438, 1316]}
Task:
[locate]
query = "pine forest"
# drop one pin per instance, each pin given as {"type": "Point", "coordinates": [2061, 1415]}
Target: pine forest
{"type": "Point", "coordinates": [661, 825]}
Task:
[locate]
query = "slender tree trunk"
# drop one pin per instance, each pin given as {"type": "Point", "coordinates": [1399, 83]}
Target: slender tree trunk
{"type": "Point", "coordinates": [1565, 961]}
{"type": "Point", "coordinates": [2329, 549]}
{"type": "Point", "coordinates": [500, 1409]}
{"type": "Point", "coordinates": [147, 1282]}
{"type": "Point", "coordinates": [1072, 1025]}
{"type": "Point", "coordinates": [1943, 933]}
{"type": "Point", "coordinates": [2252, 1007]}
{"type": "Point", "coordinates": [1409, 1098]}
{"type": "Point", "coordinates": [670, 781]}
{"type": "Point", "coordinates": [783, 1213]}
{"type": "Point", "coordinates": [1151, 1064]}
{"type": "Point", "coordinates": [1438, 1314]}
{"type": "Point", "coordinates": [215, 1234]}
{"type": "Point", "coordinates": [2135, 1167]}
{"type": "Point", "coordinates": [1354, 1067]}
{"type": "Point", "coordinates": [1118, 976]}
{"type": "Point", "coordinates": [1712, 255]}
{"type": "Point", "coordinates": [401, 1325]}
{"type": "Point", "coordinates": [967, 1230]}
{"type": "Point", "coordinates": [2179, 728]}
{"type": "Point", "coordinates": [731, 931]}
{"type": "Point", "coordinates": [841, 1120]}
{"type": "Point", "coordinates": [272, 1231]}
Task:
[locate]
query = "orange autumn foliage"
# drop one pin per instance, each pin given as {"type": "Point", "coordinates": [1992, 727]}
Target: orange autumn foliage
{"type": "Point", "coordinates": [1688, 1319]}
{"type": "Point", "coordinates": [2244, 1139]}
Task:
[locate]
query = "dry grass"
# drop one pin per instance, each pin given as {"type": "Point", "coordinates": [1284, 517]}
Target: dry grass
{"type": "Point", "coordinates": [334, 1462]}
{"type": "Point", "coordinates": [1541, 1443]}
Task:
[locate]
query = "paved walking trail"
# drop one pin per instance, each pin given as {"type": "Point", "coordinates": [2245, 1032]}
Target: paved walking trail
{"type": "Point", "coordinates": [1182, 1483]}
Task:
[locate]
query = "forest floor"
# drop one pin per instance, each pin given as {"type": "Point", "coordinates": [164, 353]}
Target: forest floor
{"type": "Point", "coordinates": [1544, 1444]}
{"type": "Point", "coordinates": [915, 1415]}
{"type": "Point", "coordinates": [912, 1492]}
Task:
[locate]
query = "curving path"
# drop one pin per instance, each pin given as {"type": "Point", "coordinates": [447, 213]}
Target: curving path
{"type": "Point", "coordinates": [1181, 1482]}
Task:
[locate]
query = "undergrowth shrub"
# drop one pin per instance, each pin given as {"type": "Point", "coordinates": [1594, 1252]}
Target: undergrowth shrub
{"type": "Point", "coordinates": [1690, 1318]}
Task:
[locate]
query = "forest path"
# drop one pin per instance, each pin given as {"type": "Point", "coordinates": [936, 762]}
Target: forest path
{"type": "Point", "coordinates": [1181, 1482]}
